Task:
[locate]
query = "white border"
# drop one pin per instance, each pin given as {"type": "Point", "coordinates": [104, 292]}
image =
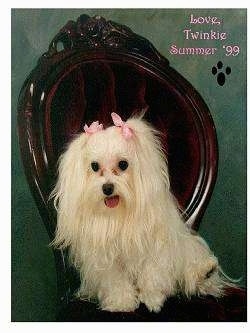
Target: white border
{"type": "Point", "coordinates": [5, 181]}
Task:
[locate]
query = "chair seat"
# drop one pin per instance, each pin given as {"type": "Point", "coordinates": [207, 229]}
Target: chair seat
{"type": "Point", "coordinates": [231, 307]}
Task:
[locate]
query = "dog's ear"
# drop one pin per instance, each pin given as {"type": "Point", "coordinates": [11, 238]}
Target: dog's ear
{"type": "Point", "coordinates": [151, 167]}
{"type": "Point", "coordinates": [150, 152]}
{"type": "Point", "coordinates": [151, 172]}
{"type": "Point", "coordinates": [68, 191]}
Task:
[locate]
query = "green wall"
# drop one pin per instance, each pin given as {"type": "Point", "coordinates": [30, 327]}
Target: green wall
{"type": "Point", "coordinates": [224, 223]}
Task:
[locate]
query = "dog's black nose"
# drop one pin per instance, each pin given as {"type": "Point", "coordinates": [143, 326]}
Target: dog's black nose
{"type": "Point", "coordinates": [108, 189]}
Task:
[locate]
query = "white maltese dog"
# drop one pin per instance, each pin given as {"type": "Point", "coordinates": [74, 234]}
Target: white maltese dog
{"type": "Point", "coordinates": [120, 221]}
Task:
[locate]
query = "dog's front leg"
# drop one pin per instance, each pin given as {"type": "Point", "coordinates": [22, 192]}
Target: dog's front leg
{"type": "Point", "coordinates": [154, 284]}
{"type": "Point", "coordinates": [116, 292]}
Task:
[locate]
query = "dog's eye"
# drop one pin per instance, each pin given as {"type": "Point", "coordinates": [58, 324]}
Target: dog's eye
{"type": "Point", "coordinates": [95, 166]}
{"type": "Point", "coordinates": [123, 165]}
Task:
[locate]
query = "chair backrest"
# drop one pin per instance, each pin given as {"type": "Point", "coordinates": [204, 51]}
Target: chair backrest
{"type": "Point", "coordinates": [94, 67]}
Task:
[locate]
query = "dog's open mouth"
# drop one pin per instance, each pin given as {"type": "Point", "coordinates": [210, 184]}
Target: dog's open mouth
{"type": "Point", "coordinates": [112, 202]}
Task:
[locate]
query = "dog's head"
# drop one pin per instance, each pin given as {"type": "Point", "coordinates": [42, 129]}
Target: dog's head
{"type": "Point", "coordinates": [117, 172]}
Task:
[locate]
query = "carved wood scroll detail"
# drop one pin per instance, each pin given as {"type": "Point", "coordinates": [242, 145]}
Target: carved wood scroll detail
{"type": "Point", "coordinates": [98, 33]}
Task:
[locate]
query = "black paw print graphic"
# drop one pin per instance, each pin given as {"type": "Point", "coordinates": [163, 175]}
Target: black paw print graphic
{"type": "Point", "coordinates": [218, 71]}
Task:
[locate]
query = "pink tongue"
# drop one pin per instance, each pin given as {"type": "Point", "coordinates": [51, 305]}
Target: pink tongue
{"type": "Point", "coordinates": [112, 201]}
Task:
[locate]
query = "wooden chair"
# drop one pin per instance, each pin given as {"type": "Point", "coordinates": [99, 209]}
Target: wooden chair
{"type": "Point", "coordinates": [92, 68]}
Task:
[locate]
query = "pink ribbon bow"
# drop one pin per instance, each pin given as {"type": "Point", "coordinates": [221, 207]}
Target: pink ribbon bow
{"type": "Point", "coordinates": [126, 130]}
{"type": "Point", "coordinates": [93, 128]}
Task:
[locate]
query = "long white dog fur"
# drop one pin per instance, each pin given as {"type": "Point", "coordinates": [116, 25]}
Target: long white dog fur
{"type": "Point", "coordinates": [133, 246]}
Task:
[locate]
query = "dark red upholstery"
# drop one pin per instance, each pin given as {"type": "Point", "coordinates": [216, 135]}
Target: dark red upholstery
{"type": "Point", "coordinates": [93, 90]}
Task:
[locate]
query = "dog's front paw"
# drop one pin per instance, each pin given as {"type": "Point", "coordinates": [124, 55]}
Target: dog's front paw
{"type": "Point", "coordinates": [153, 300]}
{"type": "Point", "coordinates": [120, 302]}
{"type": "Point", "coordinates": [122, 307]}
